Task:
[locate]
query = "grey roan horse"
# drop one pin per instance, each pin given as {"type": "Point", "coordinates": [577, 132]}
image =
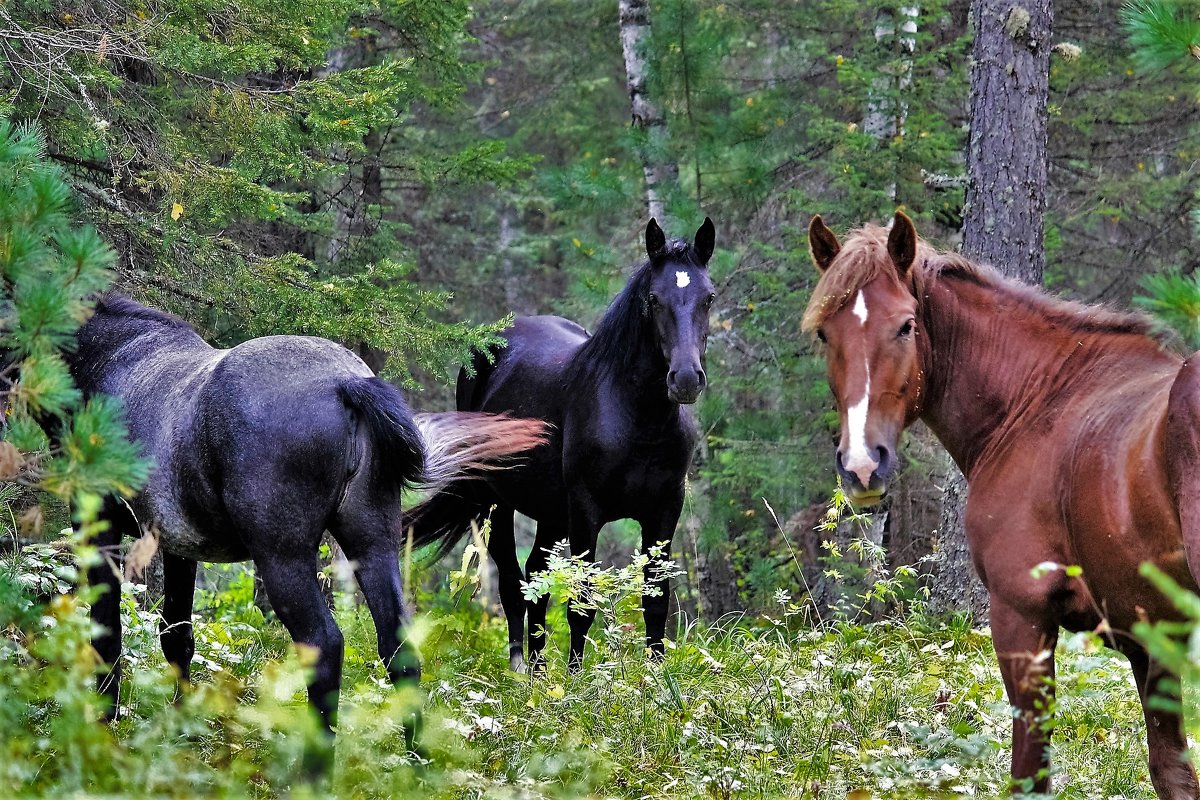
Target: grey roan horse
{"type": "Point", "coordinates": [622, 439]}
{"type": "Point", "coordinates": [257, 451]}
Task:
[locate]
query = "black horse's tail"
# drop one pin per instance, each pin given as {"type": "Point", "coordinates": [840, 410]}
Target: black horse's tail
{"type": "Point", "coordinates": [475, 443]}
{"type": "Point", "coordinates": [398, 453]}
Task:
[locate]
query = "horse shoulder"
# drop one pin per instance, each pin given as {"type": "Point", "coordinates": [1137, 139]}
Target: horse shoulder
{"type": "Point", "coordinates": [1182, 456]}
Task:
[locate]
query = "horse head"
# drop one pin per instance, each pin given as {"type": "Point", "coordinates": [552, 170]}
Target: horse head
{"type": "Point", "coordinates": [679, 299]}
{"type": "Point", "coordinates": [864, 311]}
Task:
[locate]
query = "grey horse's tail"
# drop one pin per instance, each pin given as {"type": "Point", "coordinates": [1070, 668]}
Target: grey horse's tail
{"type": "Point", "coordinates": [470, 443]}
{"type": "Point", "coordinates": [430, 451]}
{"type": "Point", "coordinates": [397, 450]}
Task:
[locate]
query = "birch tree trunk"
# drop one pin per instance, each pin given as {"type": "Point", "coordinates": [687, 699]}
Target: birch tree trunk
{"type": "Point", "coordinates": [714, 578]}
{"type": "Point", "coordinates": [1005, 207]}
{"type": "Point", "coordinates": [662, 173]}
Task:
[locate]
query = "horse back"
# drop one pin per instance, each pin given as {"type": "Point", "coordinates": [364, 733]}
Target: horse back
{"type": "Point", "coordinates": [526, 376]}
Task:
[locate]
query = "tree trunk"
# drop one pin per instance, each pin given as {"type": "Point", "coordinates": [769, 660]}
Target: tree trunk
{"type": "Point", "coordinates": [715, 582]}
{"type": "Point", "coordinates": [662, 173]}
{"type": "Point", "coordinates": [1005, 206]}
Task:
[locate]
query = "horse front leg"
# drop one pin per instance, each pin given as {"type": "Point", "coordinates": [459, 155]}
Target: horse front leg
{"type": "Point", "coordinates": [1170, 770]}
{"type": "Point", "coordinates": [175, 633]}
{"type": "Point", "coordinates": [1025, 649]}
{"type": "Point", "coordinates": [583, 526]}
{"type": "Point", "coordinates": [658, 528]}
{"type": "Point", "coordinates": [106, 615]}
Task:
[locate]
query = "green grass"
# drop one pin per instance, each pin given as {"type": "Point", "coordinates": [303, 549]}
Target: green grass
{"type": "Point", "coordinates": [758, 708]}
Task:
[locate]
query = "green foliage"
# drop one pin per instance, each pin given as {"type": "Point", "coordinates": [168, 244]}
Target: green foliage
{"type": "Point", "coordinates": [1174, 300]}
{"type": "Point", "coordinates": [48, 270]}
{"type": "Point", "coordinates": [1161, 32]}
{"type": "Point", "coordinates": [238, 154]}
{"type": "Point", "coordinates": [756, 708]}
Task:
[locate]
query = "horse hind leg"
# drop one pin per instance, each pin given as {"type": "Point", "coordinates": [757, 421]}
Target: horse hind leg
{"type": "Point", "coordinates": [369, 535]}
{"type": "Point", "coordinates": [536, 608]}
{"type": "Point", "coordinates": [503, 548]}
{"type": "Point", "coordinates": [368, 527]}
{"type": "Point", "coordinates": [1170, 770]}
{"type": "Point", "coordinates": [290, 578]}
{"type": "Point", "coordinates": [175, 632]}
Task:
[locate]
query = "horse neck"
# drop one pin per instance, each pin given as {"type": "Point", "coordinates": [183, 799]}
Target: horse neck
{"type": "Point", "coordinates": [988, 370]}
{"type": "Point", "coordinates": [109, 343]}
{"type": "Point", "coordinates": [633, 373]}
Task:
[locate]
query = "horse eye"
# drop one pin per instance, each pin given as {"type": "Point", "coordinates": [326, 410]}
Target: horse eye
{"type": "Point", "coordinates": [821, 336]}
{"type": "Point", "coordinates": [653, 299]}
{"type": "Point", "coordinates": [905, 329]}
{"type": "Point", "coordinates": [708, 301]}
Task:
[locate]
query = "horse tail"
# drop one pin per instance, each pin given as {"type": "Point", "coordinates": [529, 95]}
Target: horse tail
{"type": "Point", "coordinates": [470, 443]}
{"type": "Point", "coordinates": [397, 450]}
{"type": "Point", "coordinates": [463, 446]}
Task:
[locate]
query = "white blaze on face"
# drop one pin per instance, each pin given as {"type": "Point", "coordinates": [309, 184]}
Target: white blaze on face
{"type": "Point", "coordinates": [859, 460]}
{"type": "Point", "coordinates": [682, 279]}
{"type": "Point", "coordinates": [860, 308]}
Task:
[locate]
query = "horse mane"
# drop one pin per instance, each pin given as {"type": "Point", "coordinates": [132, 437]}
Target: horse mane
{"type": "Point", "coordinates": [617, 339]}
{"type": "Point", "coordinates": [864, 257]}
{"type": "Point", "coordinates": [118, 305]}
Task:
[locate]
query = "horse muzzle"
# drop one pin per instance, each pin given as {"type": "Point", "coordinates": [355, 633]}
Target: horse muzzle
{"type": "Point", "coordinates": [865, 476]}
{"type": "Point", "coordinates": [684, 386]}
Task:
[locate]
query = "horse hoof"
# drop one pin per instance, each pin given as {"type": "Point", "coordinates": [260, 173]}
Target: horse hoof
{"type": "Point", "coordinates": [516, 662]}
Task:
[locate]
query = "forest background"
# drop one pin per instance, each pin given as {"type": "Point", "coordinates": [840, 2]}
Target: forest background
{"type": "Point", "coordinates": [400, 177]}
{"type": "Point", "coordinates": [379, 173]}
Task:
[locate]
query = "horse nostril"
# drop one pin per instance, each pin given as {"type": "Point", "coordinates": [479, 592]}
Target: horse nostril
{"type": "Point", "coordinates": [885, 458]}
{"type": "Point", "coordinates": [671, 376]}
{"type": "Point", "coordinates": [703, 378]}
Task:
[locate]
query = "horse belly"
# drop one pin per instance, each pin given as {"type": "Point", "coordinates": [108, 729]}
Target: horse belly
{"type": "Point", "coordinates": [193, 536]}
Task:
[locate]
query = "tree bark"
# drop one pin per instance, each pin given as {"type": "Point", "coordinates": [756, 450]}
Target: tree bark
{"type": "Point", "coordinates": [662, 173]}
{"type": "Point", "coordinates": [1005, 208]}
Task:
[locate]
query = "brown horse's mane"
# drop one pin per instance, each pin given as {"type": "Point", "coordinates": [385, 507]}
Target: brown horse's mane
{"type": "Point", "coordinates": [864, 257]}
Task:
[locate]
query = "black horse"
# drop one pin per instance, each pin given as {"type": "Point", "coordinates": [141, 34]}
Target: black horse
{"type": "Point", "coordinates": [258, 450]}
{"type": "Point", "coordinates": [621, 441]}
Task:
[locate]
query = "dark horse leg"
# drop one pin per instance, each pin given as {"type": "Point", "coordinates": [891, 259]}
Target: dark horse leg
{"type": "Point", "coordinates": [549, 533]}
{"type": "Point", "coordinates": [290, 577]}
{"type": "Point", "coordinates": [503, 547]}
{"type": "Point", "coordinates": [1025, 649]}
{"type": "Point", "coordinates": [175, 630]}
{"type": "Point", "coordinates": [656, 528]}
{"type": "Point", "coordinates": [106, 609]}
{"type": "Point", "coordinates": [536, 608]}
{"type": "Point", "coordinates": [583, 528]}
{"type": "Point", "coordinates": [368, 529]}
{"type": "Point", "coordinates": [370, 538]}
{"type": "Point", "coordinates": [1170, 770]}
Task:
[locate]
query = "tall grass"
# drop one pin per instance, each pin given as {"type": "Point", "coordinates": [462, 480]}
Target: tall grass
{"type": "Point", "coordinates": [762, 707]}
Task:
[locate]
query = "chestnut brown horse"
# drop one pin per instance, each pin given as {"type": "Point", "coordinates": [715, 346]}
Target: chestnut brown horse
{"type": "Point", "coordinates": [1079, 436]}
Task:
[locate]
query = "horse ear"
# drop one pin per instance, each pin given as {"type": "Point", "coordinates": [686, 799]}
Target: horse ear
{"type": "Point", "coordinates": [902, 243]}
{"type": "Point", "coordinates": [706, 240]}
{"type": "Point", "coordinates": [822, 243]}
{"type": "Point", "coordinates": [656, 240]}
